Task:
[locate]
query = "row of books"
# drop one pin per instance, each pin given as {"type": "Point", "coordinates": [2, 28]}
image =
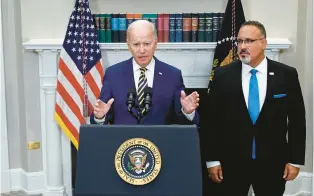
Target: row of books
{"type": "Point", "coordinates": [171, 27]}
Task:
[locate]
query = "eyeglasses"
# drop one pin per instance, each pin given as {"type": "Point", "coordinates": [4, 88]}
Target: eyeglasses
{"type": "Point", "coordinates": [248, 41]}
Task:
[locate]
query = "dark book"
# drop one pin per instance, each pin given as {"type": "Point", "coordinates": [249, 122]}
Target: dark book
{"type": "Point", "coordinates": [179, 27]}
{"type": "Point", "coordinates": [129, 18]}
{"type": "Point", "coordinates": [108, 28]}
{"type": "Point", "coordinates": [208, 27]}
{"type": "Point", "coordinates": [115, 28]}
{"type": "Point", "coordinates": [187, 27]}
{"type": "Point", "coordinates": [166, 27]}
{"type": "Point", "coordinates": [215, 26]}
{"type": "Point", "coordinates": [221, 19]}
{"type": "Point", "coordinates": [153, 19]}
{"type": "Point", "coordinates": [122, 28]}
{"type": "Point", "coordinates": [194, 27]}
{"type": "Point", "coordinates": [172, 28]}
{"type": "Point", "coordinates": [201, 27]}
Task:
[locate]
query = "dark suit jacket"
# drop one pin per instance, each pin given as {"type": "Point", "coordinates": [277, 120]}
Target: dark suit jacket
{"type": "Point", "coordinates": [166, 105]}
{"type": "Point", "coordinates": [228, 131]}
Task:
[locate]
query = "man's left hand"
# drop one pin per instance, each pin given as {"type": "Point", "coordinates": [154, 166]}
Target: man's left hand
{"type": "Point", "coordinates": [290, 172]}
{"type": "Point", "coordinates": [189, 103]}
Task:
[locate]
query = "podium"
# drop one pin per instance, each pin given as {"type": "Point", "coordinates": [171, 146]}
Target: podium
{"type": "Point", "coordinates": [139, 160]}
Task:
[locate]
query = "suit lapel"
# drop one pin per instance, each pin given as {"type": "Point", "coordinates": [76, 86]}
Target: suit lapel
{"type": "Point", "coordinates": [238, 88]}
{"type": "Point", "coordinates": [270, 87]}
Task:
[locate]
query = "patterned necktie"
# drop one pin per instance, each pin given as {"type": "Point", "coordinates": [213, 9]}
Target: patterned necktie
{"type": "Point", "coordinates": [142, 84]}
{"type": "Point", "coordinates": [253, 104]}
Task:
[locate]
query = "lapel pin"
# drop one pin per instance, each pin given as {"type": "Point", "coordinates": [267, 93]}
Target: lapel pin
{"type": "Point", "coordinates": [271, 73]}
{"type": "Point", "coordinates": [160, 73]}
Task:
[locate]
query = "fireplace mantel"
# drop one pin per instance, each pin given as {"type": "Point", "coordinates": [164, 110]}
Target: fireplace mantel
{"type": "Point", "coordinates": [194, 59]}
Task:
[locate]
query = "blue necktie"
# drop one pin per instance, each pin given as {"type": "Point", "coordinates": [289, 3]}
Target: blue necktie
{"type": "Point", "coordinates": [253, 103]}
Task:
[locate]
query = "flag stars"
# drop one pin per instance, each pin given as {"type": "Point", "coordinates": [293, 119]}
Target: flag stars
{"type": "Point", "coordinates": [97, 51]}
{"type": "Point", "coordinates": [75, 33]}
{"type": "Point", "coordinates": [92, 26]}
{"type": "Point", "coordinates": [78, 17]}
{"type": "Point", "coordinates": [80, 49]}
{"type": "Point", "coordinates": [73, 49]}
{"type": "Point", "coordinates": [68, 41]}
{"type": "Point", "coordinates": [72, 17]}
{"type": "Point", "coordinates": [91, 58]}
{"type": "Point", "coordinates": [74, 41]}
{"type": "Point", "coordinates": [86, 50]}
{"type": "Point", "coordinates": [70, 33]}
{"type": "Point", "coordinates": [79, 57]}
{"type": "Point", "coordinates": [77, 25]}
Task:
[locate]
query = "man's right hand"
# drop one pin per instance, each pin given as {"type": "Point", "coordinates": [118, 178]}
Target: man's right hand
{"type": "Point", "coordinates": [215, 173]}
{"type": "Point", "coordinates": [102, 108]}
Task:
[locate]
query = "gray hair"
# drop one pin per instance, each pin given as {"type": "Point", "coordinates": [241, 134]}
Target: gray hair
{"type": "Point", "coordinates": [256, 24]}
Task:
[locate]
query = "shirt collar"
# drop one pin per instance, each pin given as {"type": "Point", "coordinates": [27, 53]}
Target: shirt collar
{"type": "Point", "coordinates": [262, 67]}
{"type": "Point", "coordinates": [149, 67]}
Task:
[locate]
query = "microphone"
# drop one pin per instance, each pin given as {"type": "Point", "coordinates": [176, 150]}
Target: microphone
{"type": "Point", "coordinates": [148, 93]}
{"type": "Point", "coordinates": [130, 102]}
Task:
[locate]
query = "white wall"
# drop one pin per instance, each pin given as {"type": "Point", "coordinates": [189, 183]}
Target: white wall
{"type": "Point", "coordinates": [48, 19]}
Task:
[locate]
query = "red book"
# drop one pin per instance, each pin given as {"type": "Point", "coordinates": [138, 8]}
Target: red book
{"type": "Point", "coordinates": [166, 27]}
{"type": "Point", "coordinates": [160, 27]}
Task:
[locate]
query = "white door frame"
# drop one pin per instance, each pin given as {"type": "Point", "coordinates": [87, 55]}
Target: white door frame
{"type": "Point", "coordinates": [5, 172]}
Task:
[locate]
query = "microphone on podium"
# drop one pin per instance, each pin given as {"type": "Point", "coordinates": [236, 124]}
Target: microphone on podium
{"type": "Point", "coordinates": [148, 94]}
{"type": "Point", "coordinates": [130, 102]}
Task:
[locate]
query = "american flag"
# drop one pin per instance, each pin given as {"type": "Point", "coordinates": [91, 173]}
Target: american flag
{"type": "Point", "coordinates": [80, 72]}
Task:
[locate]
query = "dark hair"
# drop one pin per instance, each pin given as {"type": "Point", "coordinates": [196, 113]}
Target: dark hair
{"type": "Point", "coordinates": [256, 24]}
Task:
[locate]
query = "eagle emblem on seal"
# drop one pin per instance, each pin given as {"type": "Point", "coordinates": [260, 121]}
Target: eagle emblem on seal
{"type": "Point", "coordinates": [138, 162]}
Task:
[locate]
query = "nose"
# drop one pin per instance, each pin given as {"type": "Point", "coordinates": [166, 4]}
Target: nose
{"type": "Point", "coordinates": [142, 48]}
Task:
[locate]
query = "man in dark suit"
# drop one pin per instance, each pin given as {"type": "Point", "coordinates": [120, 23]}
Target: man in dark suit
{"type": "Point", "coordinates": [254, 132]}
{"type": "Point", "coordinates": [170, 105]}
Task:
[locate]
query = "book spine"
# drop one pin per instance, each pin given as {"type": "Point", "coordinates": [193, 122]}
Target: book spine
{"type": "Point", "coordinates": [153, 19]}
{"type": "Point", "coordinates": [115, 28]}
{"type": "Point", "coordinates": [187, 27]}
{"type": "Point", "coordinates": [122, 28]}
{"type": "Point", "coordinates": [215, 26]}
{"type": "Point", "coordinates": [166, 27]}
{"type": "Point", "coordinates": [201, 27]}
{"type": "Point", "coordinates": [129, 18]}
{"type": "Point", "coordinates": [194, 27]}
{"type": "Point", "coordinates": [208, 27]}
{"type": "Point", "coordinates": [179, 27]}
{"type": "Point", "coordinates": [108, 28]}
{"type": "Point", "coordinates": [160, 27]}
{"type": "Point", "coordinates": [172, 28]}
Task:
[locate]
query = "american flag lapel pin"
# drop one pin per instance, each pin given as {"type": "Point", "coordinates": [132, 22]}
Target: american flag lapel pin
{"type": "Point", "coordinates": [160, 73]}
{"type": "Point", "coordinates": [271, 73]}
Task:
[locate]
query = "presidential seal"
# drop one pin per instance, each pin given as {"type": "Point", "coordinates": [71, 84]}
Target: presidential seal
{"type": "Point", "coordinates": [138, 161]}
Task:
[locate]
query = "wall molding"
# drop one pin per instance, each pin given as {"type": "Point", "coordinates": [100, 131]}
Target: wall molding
{"type": "Point", "coordinates": [29, 182]}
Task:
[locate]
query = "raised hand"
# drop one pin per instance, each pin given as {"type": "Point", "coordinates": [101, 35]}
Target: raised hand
{"type": "Point", "coordinates": [101, 108]}
{"type": "Point", "coordinates": [189, 103]}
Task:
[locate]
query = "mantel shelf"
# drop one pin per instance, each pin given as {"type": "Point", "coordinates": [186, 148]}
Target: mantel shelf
{"type": "Point", "coordinates": [56, 44]}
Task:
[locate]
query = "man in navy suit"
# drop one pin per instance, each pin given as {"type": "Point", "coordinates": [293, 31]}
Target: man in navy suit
{"type": "Point", "coordinates": [253, 105]}
{"type": "Point", "coordinates": [170, 104]}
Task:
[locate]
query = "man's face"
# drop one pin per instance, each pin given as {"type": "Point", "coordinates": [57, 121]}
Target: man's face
{"type": "Point", "coordinates": [251, 45]}
{"type": "Point", "coordinates": [142, 44]}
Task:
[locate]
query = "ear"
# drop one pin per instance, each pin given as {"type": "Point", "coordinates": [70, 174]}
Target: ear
{"type": "Point", "coordinates": [264, 43]}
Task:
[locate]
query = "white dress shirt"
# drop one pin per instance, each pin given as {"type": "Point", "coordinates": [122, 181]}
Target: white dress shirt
{"type": "Point", "coordinates": [150, 78]}
{"type": "Point", "coordinates": [261, 75]}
